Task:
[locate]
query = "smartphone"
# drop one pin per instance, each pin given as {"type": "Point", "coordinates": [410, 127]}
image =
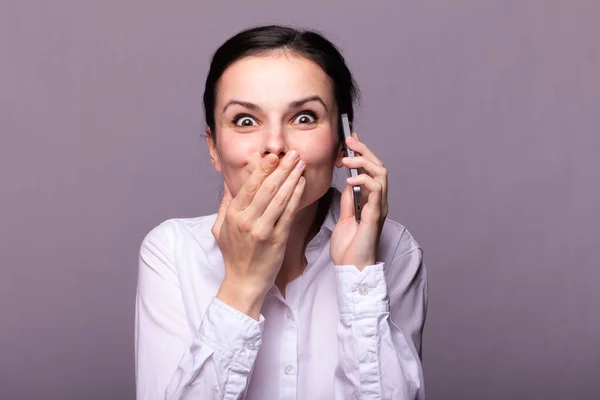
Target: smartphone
{"type": "Point", "coordinates": [352, 171]}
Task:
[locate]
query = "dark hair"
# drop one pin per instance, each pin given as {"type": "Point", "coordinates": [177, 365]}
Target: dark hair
{"type": "Point", "coordinates": [265, 39]}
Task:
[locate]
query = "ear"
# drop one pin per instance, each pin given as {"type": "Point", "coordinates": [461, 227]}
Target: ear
{"type": "Point", "coordinates": [341, 153]}
{"type": "Point", "coordinates": [212, 149]}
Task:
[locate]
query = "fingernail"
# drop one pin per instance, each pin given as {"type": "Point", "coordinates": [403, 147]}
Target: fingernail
{"type": "Point", "coordinates": [270, 159]}
{"type": "Point", "coordinates": [300, 164]}
{"type": "Point", "coordinates": [293, 155]}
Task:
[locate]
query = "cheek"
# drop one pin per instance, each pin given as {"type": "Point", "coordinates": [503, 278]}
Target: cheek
{"type": "Point", "coordinates": [237, 160]}
{"type": "Point", "coordinates": [234, 152]}
{"type": "Point", "coordinates": [320, 159]}
{"type": "Point", "coordinates": [319, 153]}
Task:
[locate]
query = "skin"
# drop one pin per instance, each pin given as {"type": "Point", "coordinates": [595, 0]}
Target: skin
{"type": "Point", "coordinates": [268, 109]}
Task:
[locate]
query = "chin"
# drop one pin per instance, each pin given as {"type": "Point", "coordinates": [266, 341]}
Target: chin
{"type": "Point", "coordinates": [313, 194]}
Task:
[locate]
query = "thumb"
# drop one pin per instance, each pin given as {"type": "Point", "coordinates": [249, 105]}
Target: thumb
{"type": "Point", "coordinates": [225, 201]}
{"type": "Point", "coordinates": [347, 204]}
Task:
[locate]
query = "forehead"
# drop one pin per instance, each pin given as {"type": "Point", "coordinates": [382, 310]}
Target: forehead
{"type": "Point", "coordinates": [274, 79]}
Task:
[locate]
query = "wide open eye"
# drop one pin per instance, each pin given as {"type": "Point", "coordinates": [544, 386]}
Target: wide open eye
{"type": "Point", "coordinates": [305, 117]}
{"type": "Point", "coordinates": [244, 120]}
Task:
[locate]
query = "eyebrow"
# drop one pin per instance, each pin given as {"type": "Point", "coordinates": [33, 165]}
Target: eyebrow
{"type": "Point", "coordinates": [293, 104]}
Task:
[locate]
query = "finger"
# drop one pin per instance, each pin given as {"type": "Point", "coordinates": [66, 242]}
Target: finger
{"type": "Point", "coordinates": [254, 182]}
{"type": "Point", "coordinates": [270, 187]}
{"type": "Point", "coordinates": [367, 164]}
{"type": "Point", "coordinates": [284, 223]}
{"type": "Point", "coordinates": [378, 172]}
{"type": "Point", "coordinates": [375, 196]}
{"type": "Point", "coordinates": [225, 201]}
{"type": "Point", "coordinates": [347, 204]}
{"type": "Point", "coordinates": [362, 148]}
{"type": "Point", "coordinates": [280, 201]}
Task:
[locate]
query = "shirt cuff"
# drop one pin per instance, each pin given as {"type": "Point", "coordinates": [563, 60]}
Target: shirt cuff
{"type": "Point", "coordinates": [361, 293]}
{"type": "Point", "coordinates": [232, 333]}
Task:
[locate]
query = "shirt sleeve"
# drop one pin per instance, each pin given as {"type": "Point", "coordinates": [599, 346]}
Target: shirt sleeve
{"type": "Point", "coordinates": [175, 361]}
{"type": "Point", "coordinates": [380, 329]}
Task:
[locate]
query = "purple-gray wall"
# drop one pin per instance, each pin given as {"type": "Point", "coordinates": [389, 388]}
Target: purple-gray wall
{"type": "Point", "coordinates": [487, 114]}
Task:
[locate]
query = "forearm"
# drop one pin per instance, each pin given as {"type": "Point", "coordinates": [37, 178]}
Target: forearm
{"type": "Point", "coordinates": [216, 365]}
{"type": "Point", "coordinates": [376, 359]}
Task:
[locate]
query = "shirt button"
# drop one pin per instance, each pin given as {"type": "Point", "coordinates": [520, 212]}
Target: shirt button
{"type": "Point", "coordinates": [363, 290]}
{"type": "Point", "coordinates": [289, 369]}
{"type": "Point", "coordinates": [251, 345]}
{"type": "Point", "coordinates": [289, 314]}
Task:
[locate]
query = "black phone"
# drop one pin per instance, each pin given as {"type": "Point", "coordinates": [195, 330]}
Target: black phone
{"type": "Point", "coordinates": [352, 171]}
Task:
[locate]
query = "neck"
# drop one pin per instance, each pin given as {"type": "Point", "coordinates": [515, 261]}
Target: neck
{"type": "Point", "coordinates": [305, 227]}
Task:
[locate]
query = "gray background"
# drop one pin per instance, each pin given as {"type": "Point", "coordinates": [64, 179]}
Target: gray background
{"type": "Point", "coordinates": [485, 112]}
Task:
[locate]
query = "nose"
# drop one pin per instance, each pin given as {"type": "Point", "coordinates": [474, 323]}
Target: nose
{"type": "Point", "coordinates": [275, 142]}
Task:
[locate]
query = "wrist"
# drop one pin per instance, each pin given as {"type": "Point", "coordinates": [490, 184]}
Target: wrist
{"type": "Point", "coordinates": [365, 264]}
{"type": "Point", "coordinates": [360, 264]}
{"type": "Point", "coordinates": [242, 296]}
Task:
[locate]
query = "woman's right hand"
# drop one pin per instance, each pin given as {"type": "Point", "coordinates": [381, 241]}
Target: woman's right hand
{"type": "Point", "coordinates": [252, 229]}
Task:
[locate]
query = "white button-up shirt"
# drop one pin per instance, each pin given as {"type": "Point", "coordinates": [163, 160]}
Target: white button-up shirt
{"type": "Point", "coordinates": [339, 333]}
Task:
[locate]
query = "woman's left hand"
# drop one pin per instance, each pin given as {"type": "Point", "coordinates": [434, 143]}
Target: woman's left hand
{"type": "Point", "coordinates": [355, 243]}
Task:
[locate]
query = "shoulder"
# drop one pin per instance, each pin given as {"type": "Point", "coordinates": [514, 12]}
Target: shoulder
{"type": "Point", "coordinates": [402, 256]}
{"type": "Point", "coordinates": [174, 243]}
{"type": "Point", "coordinates": [396, 240]}
{"type": "Point", "coordinates": [174, 230]}
{"type": "Point", "coordinates": [164, 243]}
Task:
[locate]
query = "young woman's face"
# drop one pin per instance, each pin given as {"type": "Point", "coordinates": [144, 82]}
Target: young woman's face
{"type": "Point", "coordinates": [273, 104]}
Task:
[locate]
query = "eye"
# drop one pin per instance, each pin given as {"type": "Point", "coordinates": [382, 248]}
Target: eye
{"type": "Point", "coordinates": [244, 120]}
{"type": "Point", "coordinates": [305, 117]}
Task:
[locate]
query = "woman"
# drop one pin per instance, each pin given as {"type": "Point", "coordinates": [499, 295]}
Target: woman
{"type": "Point", "coordinates": [282, 294]}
